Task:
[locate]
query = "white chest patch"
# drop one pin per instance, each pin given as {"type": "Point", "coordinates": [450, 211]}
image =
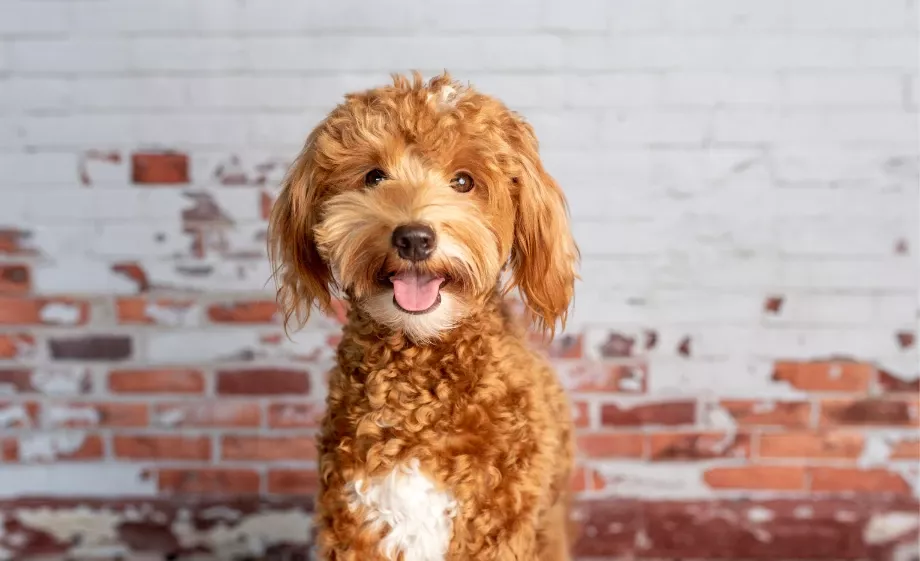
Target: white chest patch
{"type": "Point", "coordinates": [418, 515]}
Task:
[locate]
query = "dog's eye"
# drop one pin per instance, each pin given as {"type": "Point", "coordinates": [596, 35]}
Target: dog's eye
{"type": "Point", "coordinates": [462, 182]}
{"type": "Point", "coordinates": [374, 177]}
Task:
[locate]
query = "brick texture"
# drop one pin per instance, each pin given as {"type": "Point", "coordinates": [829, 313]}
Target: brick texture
{"type": "Point", "coordinates": [742, 179]}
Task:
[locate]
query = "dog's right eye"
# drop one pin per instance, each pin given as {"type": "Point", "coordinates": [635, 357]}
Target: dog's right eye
{"type": "Point", "coordinates": [374, 177]}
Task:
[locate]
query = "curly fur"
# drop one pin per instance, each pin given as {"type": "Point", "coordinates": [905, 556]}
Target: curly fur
{"type": "Point", "coordinates": [446, 437]}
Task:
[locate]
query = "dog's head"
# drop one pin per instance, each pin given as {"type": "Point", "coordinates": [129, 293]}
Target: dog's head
{"type": "Point", "coordinates": [412, 199]}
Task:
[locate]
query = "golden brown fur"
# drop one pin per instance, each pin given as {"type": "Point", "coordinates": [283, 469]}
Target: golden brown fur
{"type": "Point", "coordinates": [457, 389]}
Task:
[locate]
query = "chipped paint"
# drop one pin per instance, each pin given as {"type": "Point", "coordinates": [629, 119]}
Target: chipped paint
{"type": "Point", "coordinates": [14, 414]}
{"type": "Point", "coordinates": [61, 380]}
{"type": "Point", "coordinates": [46, 447]}
{"type": "Point", "coordinates": [250, 535]}
{"type": "Point", "coordinates": [760, 515]}
{"type": "Point", "coordinates": [889, 526]}
{"type": "Point", "coordinates": [171, 315]}
{"type": "Point", "coordinates": [63, 415]}
{"type": "Point", "coordinates": [61, 313]}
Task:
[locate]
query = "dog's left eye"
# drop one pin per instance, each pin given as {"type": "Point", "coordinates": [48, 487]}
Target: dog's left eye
{"type": "Point", "coordinates": [462, 182]}
{"type": "Point", "coordinates": [374, 177]}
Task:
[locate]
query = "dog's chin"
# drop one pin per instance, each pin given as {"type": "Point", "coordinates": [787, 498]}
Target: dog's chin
{"type": "Point", "coordinates": [423, 326]}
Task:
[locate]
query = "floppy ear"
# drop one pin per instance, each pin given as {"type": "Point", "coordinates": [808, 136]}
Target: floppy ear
{"type": "Point", "coordinates": [544, 254]}
{"type": "Point", "coordinates": [302, 278]}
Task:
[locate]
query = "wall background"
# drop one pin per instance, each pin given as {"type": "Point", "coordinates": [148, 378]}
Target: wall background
{"type": "Point", "coordinates": [742, 176]}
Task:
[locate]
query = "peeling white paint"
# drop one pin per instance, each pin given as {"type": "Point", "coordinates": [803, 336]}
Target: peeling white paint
{"type": "Point", "coordinates": [172, 316]}
{"type": "Point", "coordinates": [633, 382]}
{"type": "Point", "coordinates": [759, 515]}
{"type": "Point", "coordinates": [47, 447]}
{"type": "Point", "coordinates": [887, 527]}
{"type": "Point", "coordinates": [803, 512]}
{"type": "Point", "coordinates": [89, 526]}
{"type": "Point", "coordinates": [717, 417]}
{"type": "Point", "coordinates": [60, 381]}
{"type": "Point", "coordinates": [75, 479]}
{"type": "Point", "coordinates": [250, 536]}
{"type": "Point", "coordinates": [169, 417]}
{"type": "Point", "coordinates": [846, 516]}
{"type": "Point", "coordinates": [62, 415]}
{"type": "Point", "coordinates": [653, 481]}
{"type": "Point", "coordinates": [60, 313]}
{"type": "Point", "coordinates": [14, 414]}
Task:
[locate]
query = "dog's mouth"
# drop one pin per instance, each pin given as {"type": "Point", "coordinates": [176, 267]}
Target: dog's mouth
{"type": "Point", "coordinates": [416, 292]}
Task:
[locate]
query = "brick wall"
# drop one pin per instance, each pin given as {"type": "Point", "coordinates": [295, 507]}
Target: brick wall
{"type": "Point", "coordinates": [743, 182]}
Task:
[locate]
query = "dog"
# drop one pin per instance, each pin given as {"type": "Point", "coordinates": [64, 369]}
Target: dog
{"type": "Point", "coordinates": [446, 436]}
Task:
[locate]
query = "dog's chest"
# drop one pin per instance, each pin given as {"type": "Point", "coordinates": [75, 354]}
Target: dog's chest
{"type": "Point", "coordinates": [418, 515]}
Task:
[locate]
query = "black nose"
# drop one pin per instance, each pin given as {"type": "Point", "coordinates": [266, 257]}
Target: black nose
{"type": "Point", "coordinates": [414, 242]}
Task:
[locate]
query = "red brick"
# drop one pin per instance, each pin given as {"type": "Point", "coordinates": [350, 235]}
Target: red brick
{"type": "Point", "coordinates": [268, 448]}
{"type": "Point", "coordinates": [137, 310]}
{"type": "Point", "coordinates": [134, 272]}
{"type": "Point", "coordinates": [258, 311]}
{"type": "Point", "coordinates": [295, 415]}
{"type": "Point", "coordinates": [754, 477]}
{"type": "Point", "coordinates": [208, 414]}
{"type": "Point", "coordinates": [113, 414]}
{"type": "Point", "coordinates": [698, 446]}
{"type": "Point", "coordinates": [156, 381]}
{"type": "Point", "coordinates": [823, 445]}
{"type": "Point", "coordinates": [16, 345]}
{"type": "Point", "coordinates": [265, 204]}
{"type": "Point", "coordinates": [207, 481]}
{"type": "Point", "coordinates": [18, 380]}
{"type": "Point", "coordinates": [165, 168]}
{"type": "Point", "coordinates": [40, 311]}
{"type": "Point", "coordinates": [581, 414]}
{"type": "Point", "coordinates": [14, 279]}
{"type": "Point", "coordinates": [908, 449]}
{"type": "Point", "coordinates": [586, 376]}
{"type": "Point", "coordinates": [263, 381]}
{"type": "Point", "coordinates": [587, 479]}
{"type": "Point", "coordinates": [869, 412]}
{"type": "Point", "coordinates": [14, 242]}
{"type": "Point", "coordinates": [792, 414]}
{"type": "Point", "coordinates": [91, 347]}
{"type": "Point", "coordinates": [840, 479]}
{"type": "Point", "coordinates": [9, 449]}
{"type": "Point", "coordinates": [661, 413]}
{"type": "Point", "coordinates": [896, 384]}
{"type": "Point", "coordinates": [611, 445]}
{"type": "Point", "coordinates": [825, 376]}
{"type": "Point", "coordinates": [161, 447]}
{"type": "Point", "coordinates": [293, 481]}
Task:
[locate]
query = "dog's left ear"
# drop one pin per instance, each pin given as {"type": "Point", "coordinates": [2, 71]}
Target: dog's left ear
{"type": "Point", "coordinates": [302, 278]}
{"type": "Point", "coordinates": [544, 254]}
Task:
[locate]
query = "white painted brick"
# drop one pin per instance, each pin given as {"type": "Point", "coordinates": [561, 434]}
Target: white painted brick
{"type": "Point", "coordinates": [10, 132]}
{"type": "Point", "coordinates": [841, 236]}
{"type": "Point", "coordinates": [79, 275]}
{"type": "Point", "coordinates": [289, 92]}
{"type": "Point", "coordinates": [832, 15]}
{"type": "Point", "coordinates": [615, 90]}
{"type": "Point", "coordinates": [719, 88]}
{"type": "Point", "coordinates": [75, 479]}
{"type": "Point", "coordinates": [897, 52]}
{"type": "Point", "coordinates": [38, 93]}
{"type": "Point", "coordinates": [510, 15]}
{"type": "Point", "coordinates": [156, 240]}
{"type": "Point", "coordinates": [641, 127]}
{"type": "Point", "coordinates": [575, 15]}
{"type": "Point", "coordinates": [21, 17]}
{"type": "Point", "coordinates": [804, 344]}
{"type": "Point", "coordinates": [619, 238]}
{"type": "Point", "coordinates": [522, 91]}
{"type": "Point", "coordinates": [173, 130]}
{"type": "Point", "coordinates": [843, 89]}
{"type": "Point", "coordinates": [92, 131]}
{"type": "Point", "coordinates": [891, 273]}
{"type": "Point", "coordinates": [54, 240]}
{"type": "Point", "coordinates": [632, 15]}
{"type": "Point", "coordinates": [857, 202]}
{"type": "Point", "coordinates": [71, 56]}
{"type": "Point", "coordinates": [188, 53]}
{"type": "Point", "coordinates": [879, 165]}
{"type": "Point", "coordinates": [565, 129]}
{"type": "Point", "coordinates": [29, 169]}
{"type": "Point", "coordinates": [287, 129]}
{"type": "Point", "coordinates": [215, 275]}
{"type": "Point", "coordinates": [129, 93]}
{"type": "Point", "coordinates": [844, 309]}
{"type": "Point", "coordinates": [530, 52]}
{"type": "Point", "coordinates": [734, 15]}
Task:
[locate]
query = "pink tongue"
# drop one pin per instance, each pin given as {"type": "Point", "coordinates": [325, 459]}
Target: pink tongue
{"type": "Point", "coordinates": [414, 292]}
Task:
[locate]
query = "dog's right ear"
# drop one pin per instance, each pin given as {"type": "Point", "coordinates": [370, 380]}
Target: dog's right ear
{"type": "Point", "coordinates": [302, 278]}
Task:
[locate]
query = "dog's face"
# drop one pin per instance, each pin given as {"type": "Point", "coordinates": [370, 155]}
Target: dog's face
{"type": "Point", "coordinates": [412, 199]}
